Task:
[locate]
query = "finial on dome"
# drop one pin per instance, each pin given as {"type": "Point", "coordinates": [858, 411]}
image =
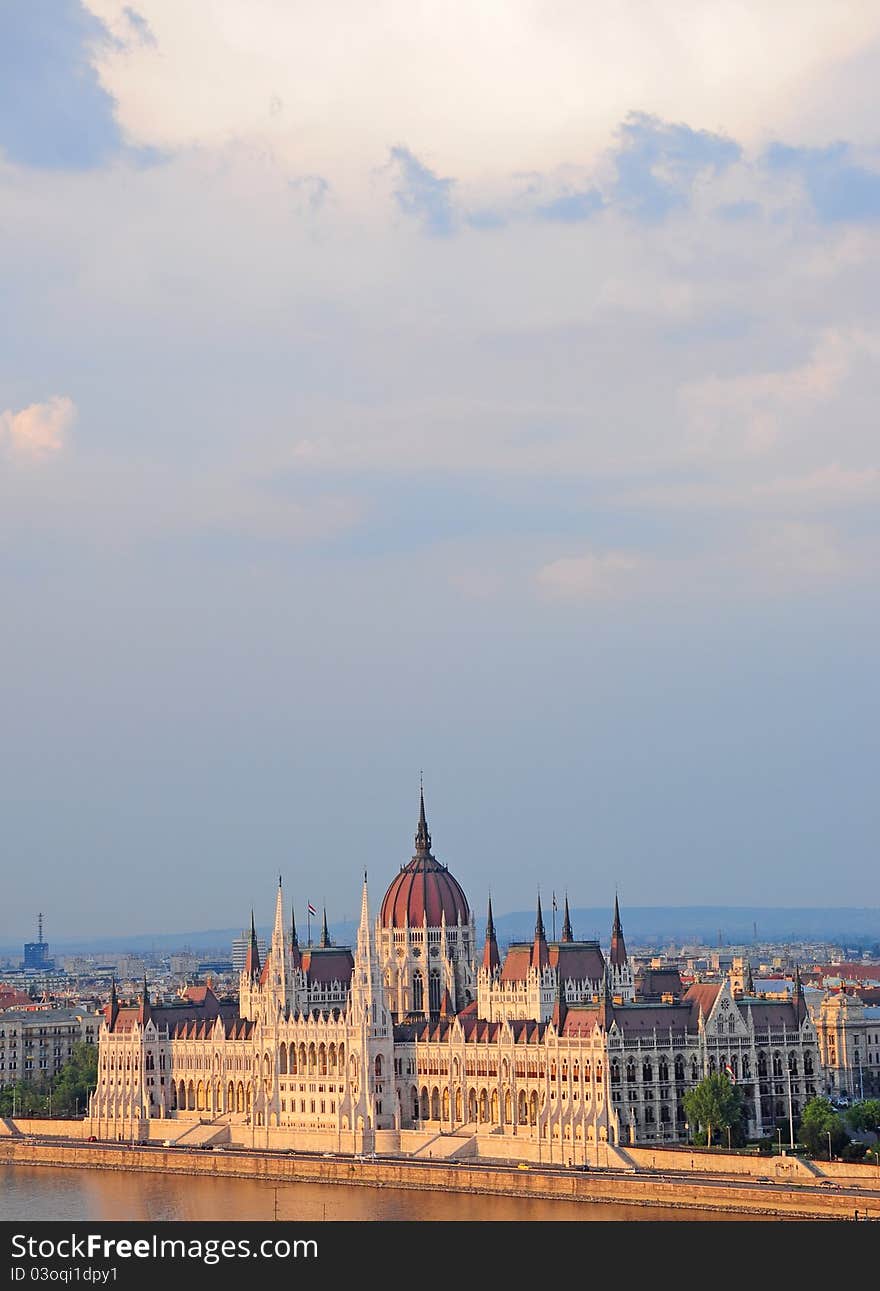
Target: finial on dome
{"type": "Point", "coordinates": [423, 837]}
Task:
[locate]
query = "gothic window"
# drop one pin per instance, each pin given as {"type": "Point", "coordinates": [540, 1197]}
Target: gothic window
{"type": "Point", "coordinates": [663, 1070]}
{"type": "Point", "coordinates": [647, 1071]}
{"type": "Point", "coordinates": [378, 1065]}
{"type": "Point", "coordinates": [418, 992]}
{"type": "Point", "coordinates": [808, 1064]}
{"type": "Point", "coordinates": [615, 1072]}
{"type": "Point", "coordinates": [792, 1063]}
{"type": "Point", "coordinates": [434, 991]}
{"type": "Point", "coordinates": [762, 1066]}
{"type": "Point", "coordinates": [695, 1071]}
{"type": "Point", "coordinates": [630, 1070]}
{"type": "Point", "coordinates": [679, 1069]}
{"type": "Point", "coordinates": [777, 1063]}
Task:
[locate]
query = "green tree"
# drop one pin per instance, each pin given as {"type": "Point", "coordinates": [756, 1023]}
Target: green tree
{"type": "Point", "coordinates": [22, 1099]}
{"type": "Point", "coordinates": [865, 1116]}
{"type": "Point", "coordinates": [76, 1080]}
{"type": "Point", "coordinates": [819, 1119]}
{"type": "Point", "coordinates": [715, 1105]}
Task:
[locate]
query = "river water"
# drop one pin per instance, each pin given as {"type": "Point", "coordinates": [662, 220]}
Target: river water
{"type": "Point", "coordinates": [37, 1193]}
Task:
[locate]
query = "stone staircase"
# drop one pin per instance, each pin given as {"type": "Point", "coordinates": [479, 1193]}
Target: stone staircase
{"type": "Point", "coordinates": [203, 1134]}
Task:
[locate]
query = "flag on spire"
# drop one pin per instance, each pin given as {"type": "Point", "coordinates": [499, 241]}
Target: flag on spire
{"type": "Point", "coordinates": [312, 909]}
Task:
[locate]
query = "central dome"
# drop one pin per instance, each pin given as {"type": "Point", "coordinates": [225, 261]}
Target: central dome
{"type": "Point", "coordinates": [424, 890]}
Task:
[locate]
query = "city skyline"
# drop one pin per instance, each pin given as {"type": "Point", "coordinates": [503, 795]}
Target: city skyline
{"type": "Point", "coordinates": [489, 398]}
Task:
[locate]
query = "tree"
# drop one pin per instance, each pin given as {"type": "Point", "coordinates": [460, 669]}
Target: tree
{"type": "Point", "coordinates": [76, 1080]}
{"type": "Point", "coordinates": [23, 1098]}
{"type": "Point", "coordinates": [819, 1119]}
{"type": "Point", "coordinates": [865, 1116]}
{"type": "Point", "coordinates": [715, 1105]}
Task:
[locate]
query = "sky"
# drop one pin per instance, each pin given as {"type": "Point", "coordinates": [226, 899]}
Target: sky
{"type": "Point", "coordinates": [487, 392]}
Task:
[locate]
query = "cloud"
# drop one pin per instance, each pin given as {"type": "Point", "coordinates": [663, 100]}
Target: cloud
{"type": "Point", "coordinates": [658, 163]}
{"type": "Point", "coordinates": [423, 194]}
{"type": "Point", "coordinates": [839, 189]}
{"type": "Point", "coordinates": [311, 193]}
{"type": "Point", "coordinates": [54, 113]}
{"type": "Point", "coordinates": [39, 431]}
{"type": "Point", "coordinates": [572, 208]}
{"type": "Point", "coordinates": [747, 414]}
{"type": "Point", "coordinates": [801, 551]}
{"type": "Point", "coordinates": [592, 574]}
{"type": "Point", "coordinates": [828, 485]}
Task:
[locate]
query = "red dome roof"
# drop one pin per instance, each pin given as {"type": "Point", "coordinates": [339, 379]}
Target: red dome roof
{"type": "Point", "coordinates": [424, 888]}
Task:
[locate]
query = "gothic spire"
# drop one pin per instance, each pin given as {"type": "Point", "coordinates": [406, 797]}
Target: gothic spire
{"type": "Point", "coordinates": [606, 1003]}
{"type": "Point", "coordinates": [252, 962]}
{"type": "Point", "coordinates": [491, 958]}
{"type": "Point", "coordinates": [423, 837]}
{"type": "Point", "coordinates": [566, 923]}
{"type": "Point", "coordinates": [540, 953]}
{"type": "Point", "coordinates": [325, 935]}
{"type": "Point", "coordinates": [618, 945]}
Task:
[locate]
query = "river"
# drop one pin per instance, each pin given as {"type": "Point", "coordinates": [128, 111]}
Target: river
{"type": "Point", "coordinates": [36, 1193]}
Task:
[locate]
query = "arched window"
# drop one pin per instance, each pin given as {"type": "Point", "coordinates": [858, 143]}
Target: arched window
{"type": "Point", "coordinates": [378, 1065]}
{"type": "Point", "coordinates": [679, 1069]}
{"type": "Point", "coordinates": [418, 992]}
{"type": "Point", "coordinates": [777, 1063]}
{"type": "Point", "coordinates": [808, 1064]}
{"type": "Point", "coordinates": [615, 1072]}
{"type": "Point", "coordinates": [282, 1060]}
{"type": "Point", "coordinates": [747, 1067]}
{"type": "Point", "coordinates": [434, 991]}
{"type": "Point", "coordinates": [630, 1070]}
{"type": "Point", "coordinates": [663, 1070]}
{"type": "Point", "coordinates": [647, 1070]}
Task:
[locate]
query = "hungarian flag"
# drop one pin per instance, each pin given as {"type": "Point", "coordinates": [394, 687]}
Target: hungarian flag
{"type": "Point", "coordinates": [312, 909]}
{"type": "Point", "coordinates": [729, 1070]}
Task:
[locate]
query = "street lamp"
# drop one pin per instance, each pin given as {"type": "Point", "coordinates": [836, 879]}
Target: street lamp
{"type": "Point", "coordinates": [828, 1132]}
{"type": "Point", "coordinates": [779, 1136]}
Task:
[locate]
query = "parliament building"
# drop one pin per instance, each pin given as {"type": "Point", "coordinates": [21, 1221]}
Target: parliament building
{"type": "Point", "coordinates": [418, 1040]}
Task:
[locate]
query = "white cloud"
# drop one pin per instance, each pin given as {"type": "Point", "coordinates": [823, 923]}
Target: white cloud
{"type": "Point", "coordinates": [828, 485]}
{"type": "Point", "coordinates": [591, 574]}
{"type": "Point", "coordinates": [39, 431]}
{"type": "Point", "coordinates": [746, 415]}
{"type": "Point", "coordinates": [518, 84]}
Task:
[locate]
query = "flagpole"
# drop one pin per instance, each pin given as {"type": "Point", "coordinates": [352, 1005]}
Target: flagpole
{"type": "Point", "coordinates": [308, 925]}
{"type": "Point", "coordinates": [554, 916]}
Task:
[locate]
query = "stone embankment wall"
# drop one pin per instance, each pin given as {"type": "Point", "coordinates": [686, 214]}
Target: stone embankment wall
{"type": "Point", "coordinates": [744, 1196]}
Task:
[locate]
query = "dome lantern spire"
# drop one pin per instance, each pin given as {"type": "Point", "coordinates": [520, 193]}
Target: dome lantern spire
{"type": "Point", "coordinates": [423, 837]}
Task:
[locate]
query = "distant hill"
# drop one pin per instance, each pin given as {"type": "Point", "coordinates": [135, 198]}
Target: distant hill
{"type": "Point", "coordinates": [642, 925]}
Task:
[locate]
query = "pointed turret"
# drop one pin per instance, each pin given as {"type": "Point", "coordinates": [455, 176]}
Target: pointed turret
{"type": "Point", "coordinates": [748, 983]}
{"type": "Point", "coordinates": [325, 935]}
{"type": "Point", "coordinates": [113, 1006]}
{"type": "Point", "coordinates": [278, 926]}
{"type": "Point", "coordinates": [540, 953]}
{"type": "Point", "coordinates": [800, 1004]}
{"type": "Point", "coordinates": [606, 1003]}
{"type": "Point", "coordinates": [491, 958]}
{"type": "Point", "coordinates": [618, 946]}
{"type": "Point", "coordinates": [567, 934]}
{"type": "Point", "coordinates": [144, 1010]}
{"type": "Point", "coordinates": [252, 962]}
{"type": "Point", "coordinates": [423, 837]}
{"type": "Point", "coordinates": [364, 941]}
{"type": "Point", "coordinates": [560, 1007]}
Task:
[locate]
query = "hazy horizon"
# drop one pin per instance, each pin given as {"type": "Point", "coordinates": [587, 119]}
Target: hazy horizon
{"type": "Point", "coordinates": [493, 397]}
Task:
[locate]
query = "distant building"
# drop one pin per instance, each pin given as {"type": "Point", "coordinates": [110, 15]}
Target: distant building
{"type": "Point", "coordinates": [240, 948]}
{"type": "Point", "coordinates": [36, 1043]}
{"type": "Point", "coordinates": [849, 1042]}
{"type": "Point", "coordinates": [36, 953]}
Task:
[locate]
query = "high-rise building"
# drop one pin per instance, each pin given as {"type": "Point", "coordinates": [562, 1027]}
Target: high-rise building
{"type": "Point", "coordinates": [36, 953]}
